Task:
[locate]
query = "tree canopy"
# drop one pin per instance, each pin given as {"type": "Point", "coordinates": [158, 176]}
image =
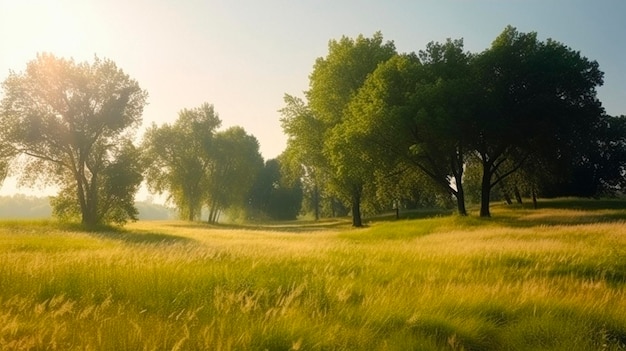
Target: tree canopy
{"type": "Point", "coordinates": [376, 129]}
{"type": "Point", "coordinates": [334, 82]}
{"type": "Point", "coordinates": [199, 166]}
{"type": "Point", "coordinates": [526, 110]}
{"type": "Point", "coordinates": [235, 166]}
{"type": "Point", "coordinates": [75, 122]}
{"type": "Point", "coordinates": [180, 157]}
{"type": "Point", "coordinates": [537, 99]}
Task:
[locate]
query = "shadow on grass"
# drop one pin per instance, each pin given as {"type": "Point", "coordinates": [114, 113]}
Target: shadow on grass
{"type": "Point", "coordinates": [582, 204]}
{"type": "Point", "coordinates": [19, 227]}
{"type": "Point", "coordinates": [132, 237]}
{"type": "Point", "coordinates": [299, 226]}
{"type": "Point", "coordinates": [145, 238]}
{"type": "Point", "coordinates": [421, 213]}
{"type": "Point", "coordinates": [613, 274]}
{"type": "Point", "coordinates": [559, 212]}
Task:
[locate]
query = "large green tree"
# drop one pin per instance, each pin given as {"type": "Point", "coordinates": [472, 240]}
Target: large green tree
{"type": "Point", "coordinates": [537, 99]}
{"type": "Point", "coordinates": [234, 166]}
{"type": "Point", "coordinates": [180, 157]}
{"type": "Point", "coordinates": [75, 121]}
{"type": "Point", "coordinates": [412, 114]}
{"type": "Point", "coordinates": [334, 82]}
{"type": "Point", "coordinates": [117, 185]}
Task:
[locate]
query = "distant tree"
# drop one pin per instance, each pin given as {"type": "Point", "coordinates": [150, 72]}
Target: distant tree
{"type": "Point", "coordinates": [596, 166]}
{"type": "Point", "coordinates": [537, 99]}
{"type": "Point", "coordinates": [334, 82]}
{"type": "Point", "coordinates": [149, 210]}
{"type": "Point", "coordinates": [234, 166]}
{"type": "Point", "coordinates": [181, 157]}
{"type": "Point", "coordinates": [274, 194]}
{"type": "Point", "coordinates": [75, 122]}
{"type": "Point", "coordinates": [22, 206]}
{"type": "Point", "coordinates": [610, 155]}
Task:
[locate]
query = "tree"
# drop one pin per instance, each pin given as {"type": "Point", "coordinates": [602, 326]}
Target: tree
{"type": "Point", "coordinates": [445, 103]}
{"type": "Point", "coordinates": [597, 165]}
{"type": "Point", "coordinates": [181, 156]}
{"type": "Point", "coordinates": [333, 83]}
{"type": "Point", "coordinates": [536, 99]}
{"type": "Point", "coordinates": [304, 156]}
{"type": "Point", "coordinates": [234, 166]}
{"type": "Point", "coordinates": [610, 156]}
{"type": "Point", "coordinates": [74, 120]}
{"type": "Point", "coordinates": [411, 115]}
{"type": "Point", "coordinates": [117, 181]}
{"type": "Point", "coordinates": [274, 194]}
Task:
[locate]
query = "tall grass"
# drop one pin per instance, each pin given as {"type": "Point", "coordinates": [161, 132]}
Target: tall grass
{"type": "Point", "coordinates": [550, 279]}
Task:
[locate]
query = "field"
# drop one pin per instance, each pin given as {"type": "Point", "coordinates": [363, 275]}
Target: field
{"type": "Point", "coordinates": [546, 279]}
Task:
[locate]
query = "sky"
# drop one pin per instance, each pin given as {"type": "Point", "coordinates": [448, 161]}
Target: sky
{"type": "Point", "coordinates": [242, 56]}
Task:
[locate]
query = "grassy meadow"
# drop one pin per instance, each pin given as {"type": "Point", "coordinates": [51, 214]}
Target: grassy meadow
{"type": "Point", "coordinates": [546, 279]}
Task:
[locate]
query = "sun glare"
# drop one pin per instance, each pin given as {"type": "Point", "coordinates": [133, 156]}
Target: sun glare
{"type": "Point", "coordinates": [34, 26]}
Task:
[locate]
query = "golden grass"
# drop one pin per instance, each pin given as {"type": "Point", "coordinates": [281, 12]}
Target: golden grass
{"type": "Point", "coordinates": [551, 279]}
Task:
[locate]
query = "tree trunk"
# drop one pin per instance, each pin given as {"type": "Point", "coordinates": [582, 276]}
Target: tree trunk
{"type": "Point", "coordinates": [485, 191]}
{"type": "Point", "coordinates": [460, 195]}
{"type": "Point", "coordinates": [316, 202]}
{"type": "Point", "coordinates": [356, 208]}
{"type": "Point", "coordinates": [214, 215]}
{"type": "Point", "coordinates": [507, 196]}
{"type": "Point", "coordinates": [518, 196]}
{"type": "Point", "coordinates": [90, 213]}
{"type": "Point", "coordinates": [89, 216]}
{"type": "Point", "coordinates": [190, 215]}
{"type": "Point", "coordinates": [534, 196]}
{"type": "Point", "coordinates": [460, 204]}
{"type": "Point", "coordinates": [82, 201]}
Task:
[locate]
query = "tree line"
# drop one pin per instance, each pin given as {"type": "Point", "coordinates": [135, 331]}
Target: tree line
{"type": "Point", "coordinates": [73, 125]}
{"type": "Point", "coordinates": [376, 129]}
{"type": "Point", "coordinates": [377, 126]}
{"type": "Point", "coordinates": [20, 206]}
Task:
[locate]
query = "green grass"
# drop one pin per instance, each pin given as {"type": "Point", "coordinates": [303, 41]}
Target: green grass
{"type": "Point", "coordinates": [547, 279]}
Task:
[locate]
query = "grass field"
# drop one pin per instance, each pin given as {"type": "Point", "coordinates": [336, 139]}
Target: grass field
{"type": "Point", "coordinates": [546, 279]}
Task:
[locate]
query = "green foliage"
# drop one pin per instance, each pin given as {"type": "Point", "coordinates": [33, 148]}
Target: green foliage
{"type": "Point", "coordinates": [118, 184]}
{"type": "Point", "coordinates": [333, 83]}
{"type": "Point", "coordinates": [526, 109]}
{"type": "Point", "coordinates": [275, 195]}
{"type": "Point", "coordinates": [404, 122]}
{"type": "Point", "coordinates": [303, 158]}
{"type": "Point", "coordinates": [598, 165]}
{"type": "Point", "coordinates": [236, 163]}
{"type": "Point", "coordinates": [180, 157]}
{"type": "Point", "coordinates": [337, 77]}
{"type": "Point", "coordinates": [198, 165]}
{"type": "Point", "coordinates": [538, 100]}
{"type": "Point", "coordinates": [69, 119]}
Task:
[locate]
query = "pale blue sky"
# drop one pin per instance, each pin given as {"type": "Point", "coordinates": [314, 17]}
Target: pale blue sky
{"type": "Point", "coordinates": [242, 56]}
